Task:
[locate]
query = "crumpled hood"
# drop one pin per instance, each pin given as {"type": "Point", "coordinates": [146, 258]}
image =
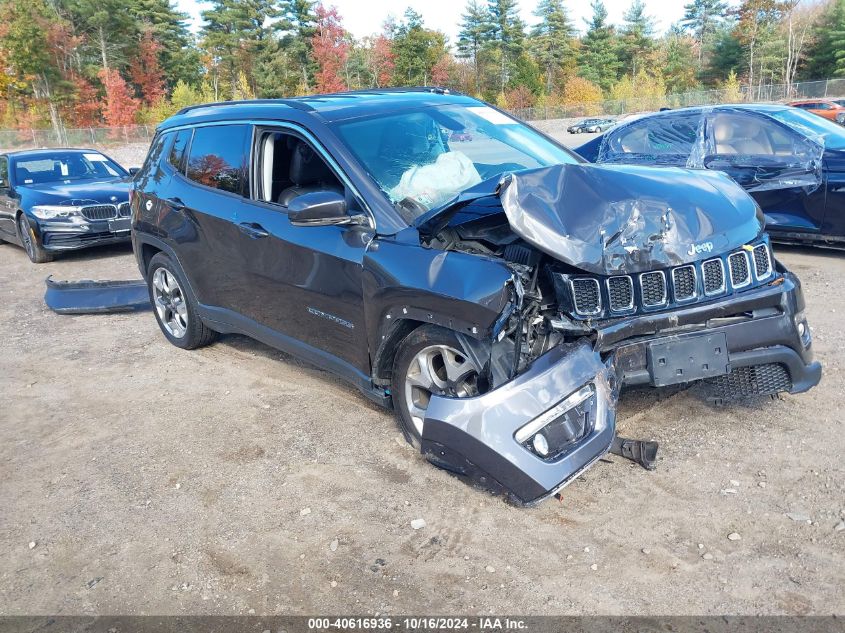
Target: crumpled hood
{"type": "Point", "coordinates": [609, 219]}
{"type": "Point", "coordinates": [111, 191]}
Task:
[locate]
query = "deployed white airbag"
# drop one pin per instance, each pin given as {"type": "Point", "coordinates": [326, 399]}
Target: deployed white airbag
{"type": "Point", "coordinates": [434, 184]}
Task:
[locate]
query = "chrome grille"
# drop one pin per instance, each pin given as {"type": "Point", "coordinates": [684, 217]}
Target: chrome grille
{"type": "Point", "coordinates": [683, 281]}
{"type": "Point", "coordinates": [620, 292]}
{"type": "Point", "coordinates": [587, 296]}
{"type": "Point", "coordinates": [713, 272]}
{"type": "Point", "coordinates": [653, 287]}
{"type": "Point", "coordinates": [762, 261]}
{"type": "Point", "coordinates": [124, 210]}
{"type": "Point", "coordinates": [100, 212]}
{"type": "Point", "coordinates": [740, 272]}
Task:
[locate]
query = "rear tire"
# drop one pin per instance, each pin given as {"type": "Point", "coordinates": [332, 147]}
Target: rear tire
{"type": "Point", "coordinates": [430, 361]}
{"type": "Point", "coordinates": [36, 254]}
{"type": "Point", "coordinates": [174, 306]}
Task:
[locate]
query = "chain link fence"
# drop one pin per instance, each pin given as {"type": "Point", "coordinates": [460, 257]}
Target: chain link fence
{"type": "Point", "coordinates": [101, 137]}
{"type": "Point", "coordinates": [105, 137]}
{"type": "Point", "coordinates": [765, 92]}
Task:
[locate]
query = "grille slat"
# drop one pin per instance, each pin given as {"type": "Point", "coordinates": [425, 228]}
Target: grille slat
{"type": "Point", "coordinates": [620, 292]}
{"type": "Point", "coordinates": [683, 281]}
{"type": "Point", "coordinates": [740, 272]}
{"type": "Point", "coordinates": [615, 296]}
{"type": "Point", "coordinates": [587, 296]}
{"type": "Point", "coordinates": [714, 276]}
{"type": "Point", "coordinates": [100, 212]}
{"type": "Point", "coordinates": [653, 287]}
{"type": "Point", "coordinates": [762, 261]}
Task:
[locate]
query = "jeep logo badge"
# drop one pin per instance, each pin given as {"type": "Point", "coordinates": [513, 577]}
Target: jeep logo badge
{"type": "Point", "coordinates": [697, 249]}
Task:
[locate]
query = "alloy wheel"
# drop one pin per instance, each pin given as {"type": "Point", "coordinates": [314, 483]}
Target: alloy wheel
{"type": "Point", "coordinates": [26, 237]}
{"type": "Point", "coordinates": [170, 303]}
{"type": "Point", "coordinates": [438, 370]}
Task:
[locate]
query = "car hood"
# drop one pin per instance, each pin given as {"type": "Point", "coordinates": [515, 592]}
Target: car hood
{"type": "Point", "coordinates": [609, 219]}
{"type": "Point", "coordinates": [111, 191]}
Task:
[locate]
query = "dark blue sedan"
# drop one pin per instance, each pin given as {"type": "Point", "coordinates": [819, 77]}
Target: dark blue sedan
{"type": "Point", "coordinates": [54, 200]}
{"type": "Point", "coordinates": [790, 161]}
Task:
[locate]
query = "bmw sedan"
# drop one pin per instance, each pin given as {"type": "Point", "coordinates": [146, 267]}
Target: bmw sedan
{"type": "Point", "coordinates": [54, 200]}
{"type": "Point", "coordinates": [792, 162]}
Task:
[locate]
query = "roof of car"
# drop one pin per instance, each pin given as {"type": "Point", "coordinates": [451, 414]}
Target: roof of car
{"type": "Point", "coordinates": [818, 100]}
{"type": "Point", "coordinates": [49, 150]}
{"type": "Point", "coordinates": [329, 107]}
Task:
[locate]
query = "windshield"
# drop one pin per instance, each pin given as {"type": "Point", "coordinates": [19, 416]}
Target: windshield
{"type": "Point", "coordinates": [804, 122]}
{"type": "Point", "coordinates": [421, 159]}
{"type": "Point", "coordinates": [65, 167]}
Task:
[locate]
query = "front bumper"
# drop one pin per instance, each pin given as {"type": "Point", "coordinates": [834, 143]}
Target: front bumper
{"type": "Point", "coordinates": [67, 236]}
{"type": "Point", "coordinates": [475, 437]}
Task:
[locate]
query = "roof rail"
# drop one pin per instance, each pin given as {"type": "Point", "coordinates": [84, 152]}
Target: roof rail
{"type": "Point", "coordinates": [299, 102]}
{"type": "Point", "coordinates": [287, 102]}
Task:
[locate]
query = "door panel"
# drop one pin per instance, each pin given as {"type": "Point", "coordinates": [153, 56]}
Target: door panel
{"type": "Point", "coordinates": [305, 282]}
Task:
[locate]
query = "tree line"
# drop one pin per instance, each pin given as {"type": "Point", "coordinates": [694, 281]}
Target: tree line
{"type": "Point", "coordinates": [81, 63]}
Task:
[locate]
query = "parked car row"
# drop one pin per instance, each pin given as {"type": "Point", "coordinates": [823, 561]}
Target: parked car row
{"type": "Point", "coordinates": [451, 262]}
{"type": "Point", "coordinates": [591, 126]}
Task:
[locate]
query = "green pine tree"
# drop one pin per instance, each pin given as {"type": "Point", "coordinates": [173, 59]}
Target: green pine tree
{"type": "Point", "coordinates": [552, 42]}
{"type": "Point", "coordinates": [598, 61]}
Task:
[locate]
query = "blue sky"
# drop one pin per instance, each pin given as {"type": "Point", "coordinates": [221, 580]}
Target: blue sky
{"type": "Point", "coordinates": [365, 17]}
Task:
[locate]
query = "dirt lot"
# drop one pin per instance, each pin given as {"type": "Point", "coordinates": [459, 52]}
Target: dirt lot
{"type": "Point", "coordinates": [138, 478]}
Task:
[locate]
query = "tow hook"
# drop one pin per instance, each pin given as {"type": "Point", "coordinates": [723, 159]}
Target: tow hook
{"type": "Point", "coordinates": [640, 451]}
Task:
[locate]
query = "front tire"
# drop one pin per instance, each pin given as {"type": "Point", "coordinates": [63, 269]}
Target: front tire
{"type": "Point", "coordinates": [174, 307]}
{"type": "Point", "coordinates": [430, 361]}
{"type": "Point", "coordinates": [36, 254]}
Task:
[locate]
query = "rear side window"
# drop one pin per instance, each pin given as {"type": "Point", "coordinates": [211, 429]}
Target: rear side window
{"type": "Point", "coordinates": [219, 157]}
{"type": "Point", "coordinates": [177, 151]}
{"type": "Point", "coordinates": [665, 135]}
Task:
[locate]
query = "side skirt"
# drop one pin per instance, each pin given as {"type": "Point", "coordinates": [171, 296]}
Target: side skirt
{"type": "Point", "coordinates": [229, 322]}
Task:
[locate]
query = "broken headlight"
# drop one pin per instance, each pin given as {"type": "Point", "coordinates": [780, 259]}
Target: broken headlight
{"type": "Point", "coordinates": [551, 433]}
{"type": "Point", "coordinates": [53, 211]}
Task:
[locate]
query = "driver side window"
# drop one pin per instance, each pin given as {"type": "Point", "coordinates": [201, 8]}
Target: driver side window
{"type": "Point", "coordinates": [288, 167]}
{"type": "Point", "coordinates": [4, 172]}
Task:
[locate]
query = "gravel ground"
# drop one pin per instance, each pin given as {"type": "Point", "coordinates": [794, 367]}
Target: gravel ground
{"type": "Point", "coordinates": [136, 478]}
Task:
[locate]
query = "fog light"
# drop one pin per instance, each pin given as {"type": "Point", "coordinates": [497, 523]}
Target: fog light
{"type": "Point", "coordinates": [801, 329]}
{"type": "Point", "coordinates": [540, 444]}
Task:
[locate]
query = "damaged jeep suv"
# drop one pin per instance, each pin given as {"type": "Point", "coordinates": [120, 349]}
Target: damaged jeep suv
{"type": "Point", "coordinates": [497, 292]}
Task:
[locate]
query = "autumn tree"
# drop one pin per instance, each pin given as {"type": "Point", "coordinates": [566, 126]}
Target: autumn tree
{"type": "Point", "coordinates": [330, 49]}
{"type": "Point", "coordinates": [146, 72]}
{"type": "Point", "coordinates": [121, 107]}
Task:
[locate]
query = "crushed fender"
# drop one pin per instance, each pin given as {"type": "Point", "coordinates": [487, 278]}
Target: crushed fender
{"type": "Point", "coordinates": [96, 297]}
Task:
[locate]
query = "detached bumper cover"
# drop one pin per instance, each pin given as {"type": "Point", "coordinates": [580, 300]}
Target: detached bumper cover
{"type": "Point", "coordinates": [96, 297]}
{"type": "Point", "coordinates": [475, 436]}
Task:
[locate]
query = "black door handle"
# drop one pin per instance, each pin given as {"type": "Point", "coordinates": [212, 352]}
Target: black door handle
{"type": "Point", "coordinates": [253, 230]}
{"type": "Point", "coordinates": [175, 203]}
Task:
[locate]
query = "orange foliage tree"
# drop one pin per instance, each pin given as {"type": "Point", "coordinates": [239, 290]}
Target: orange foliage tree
{"type": "Point", "coordinates": [146, 72]}
{"type": "Point", "coordinates": [330, 50]}
{"type": "Point", "coordinates": [120, 107]}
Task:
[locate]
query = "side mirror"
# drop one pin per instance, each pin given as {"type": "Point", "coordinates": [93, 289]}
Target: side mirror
{"type": "Point", "coordinates": [320, 208]}
{"type": "Point", "coordinates": [134, 170]}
